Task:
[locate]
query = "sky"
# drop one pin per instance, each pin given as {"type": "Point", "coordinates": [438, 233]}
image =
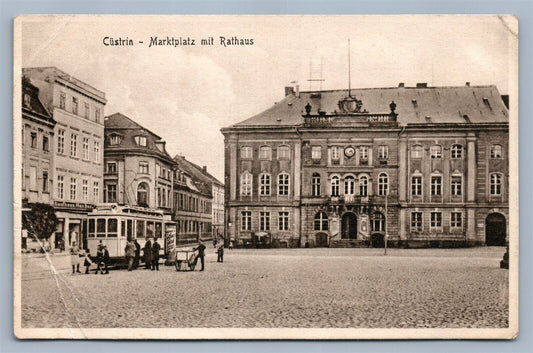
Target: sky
{"type": "Point", "coordinates": [186, 94]}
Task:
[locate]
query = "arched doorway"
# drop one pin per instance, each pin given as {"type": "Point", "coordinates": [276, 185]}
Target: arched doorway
{"type": "Point", "coordinates": [495, 230]}
{"type": "Point", "coordinates": [142, 194]}
{"type": "Point", "coordinates": [321, 240]}
{"type": "Point", "coordinates": [378, 240]}
{"type": "Point", "coordinates": [349, 226]}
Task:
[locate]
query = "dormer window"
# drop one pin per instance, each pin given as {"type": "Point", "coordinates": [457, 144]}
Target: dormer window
{"type": "Point", "coordinates": [140, 141]}
{"type": "Point", "coordinates": [115, 140]}
{"type": "Point", "coordinates": [27, 100]}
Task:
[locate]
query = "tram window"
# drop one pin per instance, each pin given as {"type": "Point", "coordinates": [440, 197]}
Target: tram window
{"type": "Point", "coordinates": [140, 229]}
{"type": "Point", "coordinates": [123, 229]}
{"type": "Point", "coordinates": [100, 227]}
{"type": "Point", "coordinates": [112, 227]}
{"type": "Point", "coordinates": [91, 228]}
{"type": "Point", "coordinates": [158, 230]}
{"type": "Point", "coordinates": [129, 232]}
{"type": "Point", "coordinates": [149, 229]}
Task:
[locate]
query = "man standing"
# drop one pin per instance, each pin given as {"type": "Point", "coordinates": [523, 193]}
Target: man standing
{"type": "Point", "coordinates": [201, 253]}
{"type": "Point", "coordinates": [99, 256]}
{"type": "Point", "coordinates": [147, 254]}
{"type": "Point", "coordinates": [75, 257]}
{"type": "Point", "coordinates": [137, 254]}
{"type": "Point", "coordinates": [130, 254]}
{"type": "Point", "coordinates": [220, 250]}
{"type": "Point", "coordinates": [155, 255]}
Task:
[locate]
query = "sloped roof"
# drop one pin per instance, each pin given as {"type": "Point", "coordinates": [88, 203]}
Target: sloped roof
{"type": "Point", "coordinates": [482, 104]}
{"type": "Point", "coordinates": [119, 124]}
{"type": "Point", "coordinates": [35, 106]}
{"type": "Point", "coordinates": [203, 181]}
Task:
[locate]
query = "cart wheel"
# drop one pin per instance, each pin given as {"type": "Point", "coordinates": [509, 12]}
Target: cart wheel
{"type": "Point", "coordinates": [178, 265]}
{"type": "Point", "coordinates": [191, 266]}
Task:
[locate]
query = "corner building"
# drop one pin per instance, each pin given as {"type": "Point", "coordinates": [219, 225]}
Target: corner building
{"type": "Point", "coordinates": [426, 166]}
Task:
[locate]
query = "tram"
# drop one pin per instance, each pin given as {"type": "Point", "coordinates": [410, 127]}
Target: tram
{"type": "Point", "coordinates": [115, 224]}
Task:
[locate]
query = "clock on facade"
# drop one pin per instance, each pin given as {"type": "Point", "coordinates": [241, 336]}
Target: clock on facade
{"type": "Point", "coordinates": [349, 151]}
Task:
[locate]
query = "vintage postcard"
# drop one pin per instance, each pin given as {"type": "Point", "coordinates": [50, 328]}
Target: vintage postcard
{"type": "Point", "coordinates": [266, 177]}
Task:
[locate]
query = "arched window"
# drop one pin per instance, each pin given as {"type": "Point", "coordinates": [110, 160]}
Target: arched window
{"type": "Point", "coordinates": [142, 194]}
{"type": "Point", "coordinates": [435, 151]}
{"type": "Point", "coordinates": [264, 184]}
{"type": "Point", "coordinates": [383, 184]}
{"type": "Point", "coordinates": [495, 184]}
{"type": "Point", "coordinates": [265, 152]}
{"type": "Point", "coordinates": [315, 181]}
{"type": "Point", "coordinates": [495, 151]}
{"type": "Point", "coordinates": [246, 152]}
{"type": "Point", "coordinates": [457, 152]}
{"type": "Point", "coordinates": [321, 221]}
{"type": "Point", "coordinates": [363, 186]}
{"type": "Point", "coordinates": [283, 152]}
{"type": "Point", "coordinates": [349, 185]}
{"type": "Point", "coordinates": [335, 186]}
{"type": "Point", "coordinates": [378, 222]}
{"type": "Point", "coordinates": [283, 184]}
{"type": "Point", "coordinates": [246, 184]}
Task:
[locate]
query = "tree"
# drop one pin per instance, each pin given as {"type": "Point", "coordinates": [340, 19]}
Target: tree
{"type": "Point", "coordinates": [41, 221]}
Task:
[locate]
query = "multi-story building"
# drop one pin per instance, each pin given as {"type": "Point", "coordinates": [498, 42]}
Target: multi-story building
{"type": "Point", "coordinates": [78, 111]}
{"type": "Point", "coordinates": [192, 210]}
{"type": "Point", "coordinates": [427, 166]}
{"type": "Point", "coordinates": [138, 169]}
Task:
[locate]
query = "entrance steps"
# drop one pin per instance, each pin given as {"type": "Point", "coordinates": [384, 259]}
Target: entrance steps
{"type": "Point", "coordinates": [349, 243]}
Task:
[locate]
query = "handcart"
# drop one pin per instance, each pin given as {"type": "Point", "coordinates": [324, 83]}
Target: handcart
{"type": "Point", "coordinates": [186, 259]}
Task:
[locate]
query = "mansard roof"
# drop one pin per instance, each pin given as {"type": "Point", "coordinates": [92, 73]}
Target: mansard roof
{"type": "Point", "coordinates": [127, 129]}
{"type": "Point", "coordinates": [461, 104]}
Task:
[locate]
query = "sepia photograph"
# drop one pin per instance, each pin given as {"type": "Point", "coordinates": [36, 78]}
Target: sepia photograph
{"type": "Point", "coordinates": [265, 177]}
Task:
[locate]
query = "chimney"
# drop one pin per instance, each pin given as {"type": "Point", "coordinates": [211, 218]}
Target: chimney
{"type": "Point", "coordinates": [288, 91]}
{"type": "Point", "coordinates": [467, 84]}
{"type": "Point", "coordinates": [401, 84]}
{"type": "Point", "coordinates": [422, 85]}
{"type": "Point", "coordinates": [297, 91]}
{"type": "Point", "coordinates": [505, 99]}
{"type": "Point", "coordinates": [204, 169]}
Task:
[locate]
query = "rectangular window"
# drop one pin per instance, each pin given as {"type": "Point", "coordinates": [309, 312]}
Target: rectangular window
{"type": "Point", "coordinates": [74, 145]}
{"type": "Point", "coordinates": [86, 110]}
{"type": "Point", "coordinates": [97, 114]}
{"type": "Point", "coordinates": [46, 144]}
{"type": "Point", "coordinates": [33, 178]}
{"type": "Point", "coordinates": [100, 227]}
{"type": "Point", "coordinates": [246, 220]}
{"type": "Point", "coordinates": [60, 187]}
{"type": "Point", "coordinates": [284, 152]}
{"type": "Point", "coordinates": [62, 100]}
{"type": "Point", "coordinates": [283, 220]}
{"type": "Point", "coordinates": [264, 184]}
{"type": "Point", "coordinates": [316, 152]}
{"type": "Point", "coordinates": [436, 185]}
{"type": "Point", "coordinates": [73, 188]}
{"type": "Point", "coordinates": [436, 220]}
{"type": "Point", "coordinates": [416, 152]}
{"type": "Point", "coordinates": [97, 151]}
{"type": "Point", "coordinates": [335, 153]}
{"type": "Point", "coordinates": [85, 148]}
{"type": "Point", "coordinates": [246, 152]}
{"type": "Point", "coordinates": [143, 167]}
{"type": "Point", "coordinates": [283, 185]}
{"type": "Point", "coordinates": [265, 152]}
{"type": "Point", "coordinates": [496, 151]}
{"type": "Point", "coordinates": [456, 220]}
{"type": "Point", "coordinates": [96, 192]}
{"type": "Point", "coordinates": [33, 140]}
{"type": "Point", "coordinates": [416, 221]}
{"type": "Point", "coordinates": [111, 167]}
{"type": "Point", "coordinates": [140, 141]}
{"type": "Point", "coordinates": [495, 184]}
{"type": "Point", "coordinates": [457, 152]}
{"type": "Point", "coordinates": [264, 221]}
{"type": "Point", "coordinates": [436, 152]}
{"type": "Point", "coordinates": [111, 193]}
{"type": "Point", "coordinates": [74, 105]}
{"type": "Point", "coordinates": [416, 185]}
{"type": "Point", "coordinates": [383, 152]}
{"type": "Point", "coordinates": [60, 141]}
{"type": "Point", "coordinates": [85, 190]}
{"type": "Point", "coordinates": [363, 153]}
{"type": "Point", "coordinates": [45, 181]}
{"type": "Point", "coordinates": [456, 185]}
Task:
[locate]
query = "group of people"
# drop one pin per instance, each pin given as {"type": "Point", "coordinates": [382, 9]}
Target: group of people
{"type": "Point", "coordinates": [77, 255]}
{"type": "Point", "coordinates": [150, 254]}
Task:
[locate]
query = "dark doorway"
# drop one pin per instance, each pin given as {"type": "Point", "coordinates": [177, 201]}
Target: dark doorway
{"type": "Point", "coordinates": [378, 241]}
{"type": "Point", "coordinates": [495, 230]}
{"type": "Point", "coordinates": [349, 226]}
{"type": "Point", "coordinates": [321, 240]}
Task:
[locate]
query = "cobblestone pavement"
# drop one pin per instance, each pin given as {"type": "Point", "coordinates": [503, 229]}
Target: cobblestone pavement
{"type": "Point", "coordinates": [279, 288]}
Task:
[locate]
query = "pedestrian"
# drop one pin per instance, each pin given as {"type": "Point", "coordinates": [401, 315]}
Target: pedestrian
{"type": "Point", "coordinates": [130, 254]}
{"type": "Point", "coordinates": [201, 253]}
{"type": "Point", "coordinates": [220, 250]}
{"type": "Point", "coordinates": [99, 256]}
{"type": "Point", "coordinates": [60, 245]}
{"type": "Point", "coordinates": [75, 257]}
{"type": "Point", "coordinates": [137, 254]}
{"type": "Point", "coordinates": [155, 255]}
{"type": "Point", "coordinates": [147, 254]}
{"type": "Point", "coordinates": [87, 261]}
{"type": "Point", "coordinates": [105, 260]}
